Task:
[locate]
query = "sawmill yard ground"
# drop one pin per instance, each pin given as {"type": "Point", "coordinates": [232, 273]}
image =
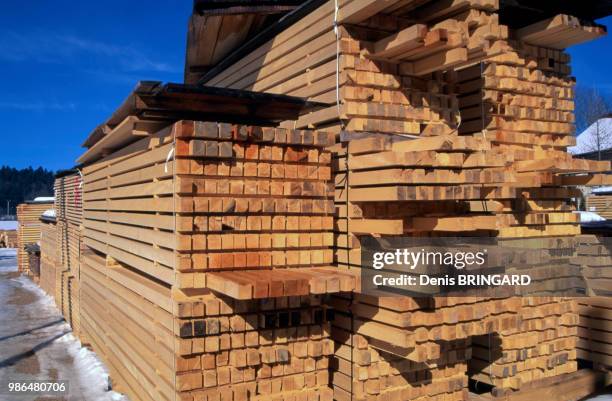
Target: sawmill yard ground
{"type": "Point", "coordinates": [36, 343]}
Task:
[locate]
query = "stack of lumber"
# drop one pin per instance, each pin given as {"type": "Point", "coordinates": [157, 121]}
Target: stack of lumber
{"type": "Point", "coordinates": [490, 160]}
{"type": "Point", "coordinates": [8, 238]}
{"type": "Point", "coordinates": [409, 348]}
{"type": "Point", "coordinates": [28, 216]}
{"type": "Point", "coordinates": [69, 209]}
{"type": "Point", "coordinates": [208, 249]}
{"type": "Point", "coordinates": [160, 346]}
{"type": "Point", "coordinates": [595, 330]}
{"type": "Point", "coordinates": [69, 206]}
{"type": "Point", "coordinates": [490, 181]}
{"type": "Point", "coordinates": [600, 204]}
{"type": "Point", "coordinates": [559, 32]}
{"type": "Point", "coordinates": [594, 256]}
{"type": "Point", "coordinates": [128, 319]}
{"type": "Point", "coordinates": [233, 224]}
{"type": "Point", "coordinates": [237, 203]}
{"type": "Point", "coordinates": [542, 345]}
{"type": "Point", "coordinates": [49, 257]}
{"type": "Point", "coordinates": [402, 41]}
{"type": "Point", "coordinates": [211, 241]}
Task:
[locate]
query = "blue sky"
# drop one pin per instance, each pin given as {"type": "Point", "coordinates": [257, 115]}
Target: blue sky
{"type": "Point", "coordinates": [592, 61]}
{"type": "Point", "coordinates": [65, 65]}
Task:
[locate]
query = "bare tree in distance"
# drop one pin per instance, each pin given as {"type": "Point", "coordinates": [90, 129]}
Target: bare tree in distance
{"type": "Point", "coordinates": [590, 107]}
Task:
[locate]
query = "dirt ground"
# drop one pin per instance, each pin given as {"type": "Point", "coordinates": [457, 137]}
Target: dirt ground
{"type": "Point", "coordinates": [37, 344]}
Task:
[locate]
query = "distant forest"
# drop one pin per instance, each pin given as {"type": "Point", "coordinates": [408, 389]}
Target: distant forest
{"type": "Point", "coordinates": [17, 186]}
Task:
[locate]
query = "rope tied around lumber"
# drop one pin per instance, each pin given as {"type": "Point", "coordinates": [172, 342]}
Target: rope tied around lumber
{"type": "Point", "coordinates": [80, 174]}
{"type": "Point", "coordinates": [170, 154]}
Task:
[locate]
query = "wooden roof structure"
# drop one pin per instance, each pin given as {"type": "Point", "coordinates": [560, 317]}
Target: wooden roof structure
{"type": "Point", "coordinates": [217, 27]}
{"type": "Point", "coordinates": [153, 105]}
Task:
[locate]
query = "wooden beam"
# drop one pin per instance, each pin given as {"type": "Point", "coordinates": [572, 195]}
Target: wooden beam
{"type": "Point", "coordinates": [400, 42]}
{"type": "Point", "coordinates": [360, 10]}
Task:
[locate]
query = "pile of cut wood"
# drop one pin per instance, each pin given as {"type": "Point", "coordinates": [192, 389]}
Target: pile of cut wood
{"type": "Point", "coordinates": [492, 108]}
{"type": "Point", "coordinates": [28, 217]}
{"type": "Point", "coordinates": [8, 238]}
{"type": "Point", "coordinates": [220, 252]}
{"type": "Point", "coordinates": [49, 258]}
{"type": "Point", "coordinates": [594, 257]}
{"type": "Point", "coordinates": [69, 208]}
{"type": "Point", "coordinates": [215, 240]}
{"type": "Point", "coordinates": [600, 204]}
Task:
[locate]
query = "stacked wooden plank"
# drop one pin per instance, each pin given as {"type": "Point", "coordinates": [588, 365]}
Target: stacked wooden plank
{"type": "Point", "coordinates": [595, 330]}
{"type": "Point", "coordinates": [594, 256]}
{"type": "Point", "coordinates": [542, 345]}
{"type": "Point", "coordinates": [128, 321]}
{"type": "Point", "coordinates": [8, 238]}
{"type": "Point", "coordinates": [28, 216]}
{"type": "Point", "coordinates": [161, 346]}
{"type": "Point", "coordinates": [600, 204]}
{"type": "Point", "coordinates": [309, 60]}
{"type": "Point", "coordinates": [240, 172]}
{"type": "Point", "coordinates": [227, 214]}
{"type": "Point", "coordinates": [479, 196]}
{"type": "Point", "coordinates": [493, 162]}
{"type": "Point", "coordinates": [526, 111]}
{"type": "Point", "coordinates": [409, 348]}
{"type": "Point", "coordinates": [68, 206]}
{"type": "Point", "coordinates": [214, 240]}
{"type": "Point", "coordinates": [208, 247]}
{"type": "Point", "coordinates": [559, 32]}
{"type": "Point", "coordinates": [49, 257]}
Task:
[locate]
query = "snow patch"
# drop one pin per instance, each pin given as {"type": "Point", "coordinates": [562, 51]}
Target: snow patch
{"type": "Point", "coordinates": [603, 397]}
{"type": "Point", "coordinates": [8, 260]}
{"type": "Point", "coordinates": [93, 376]}
{"type": "Point", "coordinates": [586, 141]}
{"type": "Point", "coordinates": [49, 213]}
{"type": "Point", "coordinates": [8, 253]}
{"type": "Point", "coordinates": [602, 190]}
{"type": "Point", "coordinates": [589, 217]}
{"type": "Point", "coordinates": [8, 225]}
{"type": "Point", "coordinates": [44, 199]}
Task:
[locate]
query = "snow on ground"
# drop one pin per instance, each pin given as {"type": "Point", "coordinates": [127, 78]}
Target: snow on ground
{"type": "Point", "coordinates": [603, 397]}
{"type": "Point", "coordinates": [49, 213]}
{"type": "Point", "coordinates": [7, 260]}
{"type": "Point", "coordinates": [602, 190]}
{"type": "Point", "coordinates": [37, 344]}
{"type": "Point", "coordinates": [8, 253]}
{"type": "Point", "coordinates": [588, 217]}
{"type": "Point", "coordinates": [8, 225]}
